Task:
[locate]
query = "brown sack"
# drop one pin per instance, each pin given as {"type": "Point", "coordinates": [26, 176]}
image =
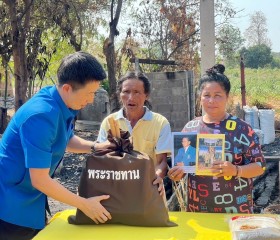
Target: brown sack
{"type": "Point", "coordinates": [126, 176]}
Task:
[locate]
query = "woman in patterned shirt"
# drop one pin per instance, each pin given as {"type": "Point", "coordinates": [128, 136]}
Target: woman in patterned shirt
{"type": "Point", "coordinates": [230, 190]}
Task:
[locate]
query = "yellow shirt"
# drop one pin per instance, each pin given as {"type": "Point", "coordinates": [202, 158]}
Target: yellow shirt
{"type": "Point", "coordinates": [151, 134]}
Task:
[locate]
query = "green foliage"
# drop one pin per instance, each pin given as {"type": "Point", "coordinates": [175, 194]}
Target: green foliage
{"type": "Point", "coordinates": [276, 55]}
{"type": "Point", "coordinates": [63, 49]}
{"type": "Point", "coordinates": [276, 60]}
{"type": "Point", "coordinates": [229, 41]}
{"type": "Point", "coordinates": [275, 63]}
{"type": "Point", "coordinates": [262, 86]}
{"type": "Point", "coordinates": [53, 39]}
{"type": "Point", "coordinates": [105, 85]}
{"type": "Point", "coordinates": [258, 56]}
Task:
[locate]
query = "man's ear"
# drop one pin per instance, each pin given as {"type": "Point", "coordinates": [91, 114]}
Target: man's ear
{"type": "Point", "coordinates": [66, 88]}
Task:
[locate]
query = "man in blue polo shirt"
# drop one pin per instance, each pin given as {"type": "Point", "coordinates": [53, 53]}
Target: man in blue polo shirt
{"type": "Point", "coordinates": [34, 143]}
{"type": "Point", "coordinates": [186, 155]}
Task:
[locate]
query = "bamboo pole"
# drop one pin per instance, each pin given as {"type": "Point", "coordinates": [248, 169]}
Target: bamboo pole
{"type": "Point", "coordinates": [115, 127]}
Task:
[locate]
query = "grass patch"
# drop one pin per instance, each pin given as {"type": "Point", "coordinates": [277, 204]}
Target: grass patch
{"type": "Point", "coordinates": [259, 82]}
{"type": "Point", "coordinates": [262, 87]}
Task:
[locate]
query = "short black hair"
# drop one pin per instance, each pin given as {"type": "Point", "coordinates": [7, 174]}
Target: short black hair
{"type": "Point", "coordinates": [215, 74]}
{"type": "Point", "coordinates": [79, 68]}
{"type": "Point", "coordinates": [138, 76]}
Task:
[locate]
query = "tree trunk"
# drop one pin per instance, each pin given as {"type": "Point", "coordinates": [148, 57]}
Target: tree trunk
{"type": "Point", "coordinates": [109, 51]}
{"type": "Point", "coordinates": [20, 73]}
{"type": "Point", "coordinates": [20, 25]}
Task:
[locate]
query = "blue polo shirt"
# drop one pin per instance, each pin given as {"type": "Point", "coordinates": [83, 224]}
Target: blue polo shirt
{"type": "Point", "coordinates": [36, 137]}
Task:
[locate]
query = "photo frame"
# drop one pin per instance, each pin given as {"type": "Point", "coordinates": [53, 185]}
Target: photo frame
{"type": "Point", "coordinates": [182, 157]}
{"type": "Point", "coordinates": [209, 147]}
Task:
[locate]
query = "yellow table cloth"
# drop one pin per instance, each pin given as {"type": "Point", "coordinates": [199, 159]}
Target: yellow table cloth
{"type": "Point", "coordinates": [193, 226]}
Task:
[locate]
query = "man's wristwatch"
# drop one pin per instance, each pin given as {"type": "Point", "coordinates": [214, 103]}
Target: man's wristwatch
{"type": "Point", "coordinates": [93, 149]}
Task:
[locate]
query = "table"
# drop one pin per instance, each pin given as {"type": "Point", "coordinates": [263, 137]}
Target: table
{"type": "Point", "coordinates": [193, 226]}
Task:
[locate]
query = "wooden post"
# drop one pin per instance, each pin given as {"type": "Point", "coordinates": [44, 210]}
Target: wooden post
{"type": "Point", "coordinates": [243, 86]}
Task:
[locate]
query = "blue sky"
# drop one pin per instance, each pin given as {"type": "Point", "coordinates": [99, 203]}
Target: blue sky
{"type": "Point", "coordinates": [271, 10]}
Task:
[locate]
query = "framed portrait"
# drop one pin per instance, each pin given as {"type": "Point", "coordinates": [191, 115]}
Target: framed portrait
{"type": "Point", "coordinates": [210, 148]}
{"type": "Point", "coordinates": [184, 150]}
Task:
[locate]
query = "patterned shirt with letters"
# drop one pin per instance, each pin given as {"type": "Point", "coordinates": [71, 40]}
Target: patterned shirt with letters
{"type": "Point", "coordinates": [225, 194]}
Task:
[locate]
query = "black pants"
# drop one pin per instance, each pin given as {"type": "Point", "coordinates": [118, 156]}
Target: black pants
{"type": "Point", "coordinates": [9, 231]}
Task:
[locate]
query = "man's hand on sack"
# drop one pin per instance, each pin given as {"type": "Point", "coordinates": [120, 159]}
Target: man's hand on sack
{"type": "Point", "coordinates": [104, 145]}
{"type": "Point", "coordinates": [159, 181]}
{"type": "Point", "coordinates": [94, 209]}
